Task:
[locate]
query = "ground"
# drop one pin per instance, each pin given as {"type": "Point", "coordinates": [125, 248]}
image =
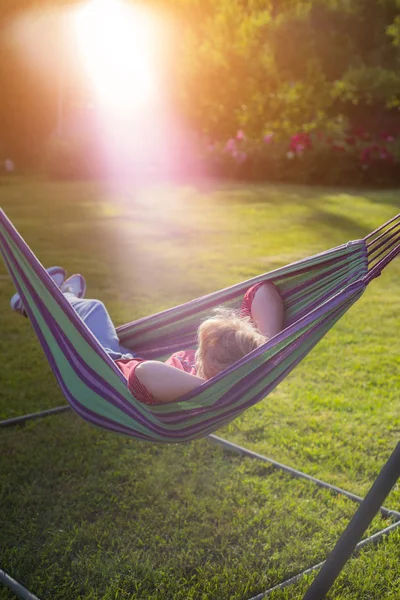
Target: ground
{"type": "Point", "coordinates": [86, 514]}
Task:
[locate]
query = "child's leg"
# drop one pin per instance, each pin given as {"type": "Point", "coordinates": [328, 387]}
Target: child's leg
{"type": "Point", "coordinates": [95, 316]}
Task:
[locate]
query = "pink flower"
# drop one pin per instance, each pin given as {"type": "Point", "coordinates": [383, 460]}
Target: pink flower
{"type": "Point", "coordinates": [230, 145]}
{"type": "Point", "coordinates": [385, 154]}
{"type": "Point", "coordinates": [366, 154]}
{"type": "Point", "coordinates": [361, 133]}
{"type": "Point", "coordinates": [375, 152]}
{"type": "Point", "coordinates": [351, 140]}
{"type": "Point", "coordinates": [294, 141]}
{"type": "Point", "coordinates": [240, 135]}
{"type": "Point", "coordinates": [300, 142]}
{"type": "Point", "coordinates": [268, 138]}
{"type": "Point", "coordinates": [387, 137]}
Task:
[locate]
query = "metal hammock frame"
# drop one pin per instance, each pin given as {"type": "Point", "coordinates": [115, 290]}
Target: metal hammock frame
{"type": "Point", "coordinates": [379, 249]}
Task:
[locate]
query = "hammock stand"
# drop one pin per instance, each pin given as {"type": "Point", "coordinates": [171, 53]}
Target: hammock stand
{"type": "Point", "coordinates": [379, 248]}
{"type": "Point", "coordinates": [349, 542]}
{"type": "Point", "coordinates": [316, 292]}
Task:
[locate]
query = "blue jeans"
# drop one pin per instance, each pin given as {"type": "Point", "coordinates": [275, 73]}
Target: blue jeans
{"type": "Point", "coordinates": [94, 314]}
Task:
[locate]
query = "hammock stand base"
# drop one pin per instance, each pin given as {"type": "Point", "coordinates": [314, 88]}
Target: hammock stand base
{"type": "Point", "coordinates": [324, 287]}
{"type": "Point", "coordinates": [25, 594]}
{"type": "Point", "coordinates": [16, 587]}
{"type": "Point", "coordinates": [231, 446]}
{"type": "Point", "coordinates": [24, 418]}
{"type": "Point", "coordinates": [349, 543]}
{"type": "Point", "coordinates": [373, 539]}
{"type": "Point", "coordinates": [356, 528]}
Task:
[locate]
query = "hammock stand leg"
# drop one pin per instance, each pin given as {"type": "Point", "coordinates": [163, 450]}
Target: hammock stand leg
{"type": "Point", "coordinates": [230, 446]}
{"type": "Point", "coordinates": [16, 587]}
{"type": "Point", "coordinates": [356, 528]}
{"type": "Point", "coordinates": [373, 539]}
{"type": "Point", "coordinates": [347, 544]}
{"type": "Point", "coordinates": [30, 417]}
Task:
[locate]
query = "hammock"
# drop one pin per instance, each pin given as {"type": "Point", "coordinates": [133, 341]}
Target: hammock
{"type": "Point", "coordinates": [316, 292]}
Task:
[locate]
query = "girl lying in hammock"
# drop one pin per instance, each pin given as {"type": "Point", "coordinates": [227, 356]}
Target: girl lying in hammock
{"type": "Point", "coordinates": [222, 340]}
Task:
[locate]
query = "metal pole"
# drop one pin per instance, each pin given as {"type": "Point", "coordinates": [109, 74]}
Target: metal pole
{"type": "Point", "coordinates": [16, 587]}
{"type": "Point", "coordinates": [373, 539]}
{"type": "Point", "coordinates": [355, 529]}
{"type": "Point", "coordinates": [295, 473]}
{"type": "Point", "coordinates": [23, 418]}
{"type": "Point", "coordinates": [391, 514]}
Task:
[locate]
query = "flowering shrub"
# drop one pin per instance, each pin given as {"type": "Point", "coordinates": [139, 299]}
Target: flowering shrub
{"type": "Point", "coordinates": [322, 158]}
{"type": "Point", "coordinates": [318, 157]}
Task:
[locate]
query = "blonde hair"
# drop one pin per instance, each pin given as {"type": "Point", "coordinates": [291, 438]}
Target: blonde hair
{"type": "Point", "coordinates": [222, 340]}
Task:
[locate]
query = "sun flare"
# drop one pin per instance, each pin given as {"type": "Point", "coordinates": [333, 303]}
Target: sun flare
{"type": "Point", "coordinates": [117, 43]}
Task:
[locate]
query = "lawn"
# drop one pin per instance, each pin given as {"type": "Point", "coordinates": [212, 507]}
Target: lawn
{"type": "Point", "coordinates": [86, 514]}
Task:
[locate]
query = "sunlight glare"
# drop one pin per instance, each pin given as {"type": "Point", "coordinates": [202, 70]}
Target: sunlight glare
{"type": "Point", "coordinates": [118, 43]}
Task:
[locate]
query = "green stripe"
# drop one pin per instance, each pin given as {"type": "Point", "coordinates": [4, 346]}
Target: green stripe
{"type": "Point", "coordinates": [288, 278]}
{"type": "Point", "coordinates": [87, 397]}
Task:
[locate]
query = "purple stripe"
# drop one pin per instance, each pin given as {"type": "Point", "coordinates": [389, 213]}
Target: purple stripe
{"type": "Point", "coordinates": [76, 405]}
{"type": "Point", "coordinates": [387, 246]}
{"type": "Point", "coordinates": [311, 287]}
{"type": "Point", "coordinates": [284, 335]}
{"type": "Point", "coordinates": [323, 283]}
{"type": "Point", "coordinates": [256, 377]}
{"type": "Point", "coordinates": [89, 415]}
{"type": "Point", "coordinates": [373, 246]}
{"type": "Point", "coordinates": [322, 299]}
{"type": "Point", "coordinates": [128, 334]}
{"type": "Point", "coordinates": [48, 317]}
{"type": "Point", "coordinates": [101, 421]}
{"type": "Point", "coordinates": [181, 338]}
{"type": "Point", "coordinates": [112, 396]}
{"type": "Point", "coordinates": [381, 227]}
{"type": "Point", "coordinates": [260, 372]}
{"type": "Point", "coordinates": [92, 378]}
{"type": "Point", "coordinates": [325, 273]}
{"type": "Point", "coordinates": [230, 293]}
{"type": "Point", "coordinates": [377, 269]}
{"type": "Point", "coordinates": [248, 381]}
{"type": "Point", "coordinates": [64, 344]}
{"type": "Point", "coordinates": [173, 342]}
{"type": "Point", "coordinates": [193, 430]}
{"type": "Point", "coordinates": [96, 419]}
{"type": "Point", "coordinates": [184, 310]}
{"type": "Point", "coordinates": [45, 278]}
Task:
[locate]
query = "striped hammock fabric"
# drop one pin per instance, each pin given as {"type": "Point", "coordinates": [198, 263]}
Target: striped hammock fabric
{"type": "Point", "coordinates": [316, 292]}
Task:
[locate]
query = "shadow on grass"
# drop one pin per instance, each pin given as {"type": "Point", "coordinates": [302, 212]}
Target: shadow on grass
{"type": "Point", "coordinates": [282, 193]}
{"type": "Point", "coordinates": [335, 227]}
{"type": "Point", "coordinates": [94, 506]}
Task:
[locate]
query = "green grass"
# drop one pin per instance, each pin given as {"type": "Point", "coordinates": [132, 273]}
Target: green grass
{"type": "Point", "coordinates": [86, 514]}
